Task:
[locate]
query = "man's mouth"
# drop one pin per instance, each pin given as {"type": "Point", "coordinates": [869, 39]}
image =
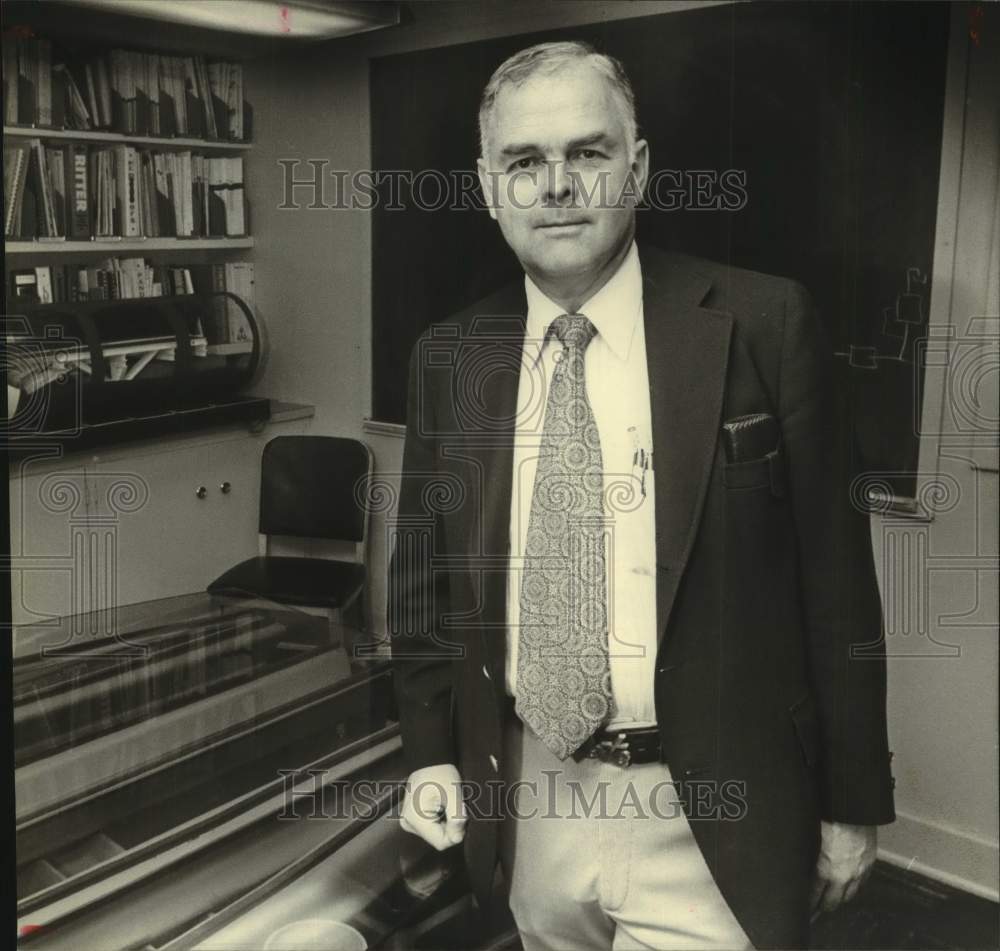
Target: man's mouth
{"type": "Point", "coordinates": [568, 223]}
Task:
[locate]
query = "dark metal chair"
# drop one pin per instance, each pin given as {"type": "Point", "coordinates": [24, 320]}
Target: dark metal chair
{"type": "Point", "coordinates": [311, 487]}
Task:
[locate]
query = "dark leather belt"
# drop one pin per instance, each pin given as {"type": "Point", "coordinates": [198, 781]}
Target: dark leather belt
{"type": "Point", "coordinates": [623, 747]}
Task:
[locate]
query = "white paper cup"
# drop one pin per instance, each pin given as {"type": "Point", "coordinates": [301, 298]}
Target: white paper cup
{"type": "Point", "coordinates": [316, 934]}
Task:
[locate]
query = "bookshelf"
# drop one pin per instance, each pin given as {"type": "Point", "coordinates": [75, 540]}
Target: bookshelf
{"type": "Point", "coordinates": [88, 135]}
{"type": "Point", "coordinates": [131, 190]}
{"type": "Point", "coordinates": [114, 149]}
{"type": "Point", "coordinates": [113, 246]}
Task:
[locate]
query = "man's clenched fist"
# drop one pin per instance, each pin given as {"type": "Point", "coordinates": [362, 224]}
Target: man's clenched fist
{"type": "Point", "coordinates": [846, 856]}
{"type": "Point", "coordinates": [433, 808]}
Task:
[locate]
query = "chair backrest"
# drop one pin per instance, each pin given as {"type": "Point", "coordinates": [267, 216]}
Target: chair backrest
{"type": "Point", "coordinates": [315, 487]}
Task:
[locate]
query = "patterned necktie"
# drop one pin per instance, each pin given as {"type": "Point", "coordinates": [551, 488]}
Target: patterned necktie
{"type": "Point", "coordinates": [563, 676]}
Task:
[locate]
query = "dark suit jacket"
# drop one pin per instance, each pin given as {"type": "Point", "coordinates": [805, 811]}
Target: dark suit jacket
{"type": "Point", "coordinates": [770, 672]}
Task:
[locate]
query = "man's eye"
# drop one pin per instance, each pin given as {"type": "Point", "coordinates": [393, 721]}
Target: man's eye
{"type": "Point", "coordinates": [525, 163]}
{"type": "Point", "coordinates": [588, 155]}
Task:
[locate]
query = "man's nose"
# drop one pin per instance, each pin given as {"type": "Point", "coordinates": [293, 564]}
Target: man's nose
{"type": "Point", "coordinates": [559, 185]}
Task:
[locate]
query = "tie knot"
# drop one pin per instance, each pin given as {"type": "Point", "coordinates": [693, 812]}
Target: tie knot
{"type": "Point", "coordinates": [574, 330]}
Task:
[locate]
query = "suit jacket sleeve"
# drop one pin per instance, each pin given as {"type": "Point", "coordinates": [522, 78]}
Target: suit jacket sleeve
{"type": "Point", "coordinates": [417, 595]}
{"type": "Point", "coordinates": [840, 599]}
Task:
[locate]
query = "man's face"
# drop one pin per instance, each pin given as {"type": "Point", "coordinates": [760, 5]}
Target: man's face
{"type": "Point", "coordinates": [559, 174]}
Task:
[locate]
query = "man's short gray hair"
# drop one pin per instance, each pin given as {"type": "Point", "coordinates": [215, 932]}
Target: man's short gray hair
{"type": "Point", "coordinates": [548, 58]}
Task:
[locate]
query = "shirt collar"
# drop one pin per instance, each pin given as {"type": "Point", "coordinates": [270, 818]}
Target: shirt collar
{"type": "Point", "coordinates": [614, 310]}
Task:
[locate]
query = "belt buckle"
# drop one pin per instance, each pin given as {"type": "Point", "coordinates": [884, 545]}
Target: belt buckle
{"type": "Point", "coordinates": [612, 751]}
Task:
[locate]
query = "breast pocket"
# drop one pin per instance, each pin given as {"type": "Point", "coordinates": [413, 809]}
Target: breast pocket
{"type": "Point", "coordinates": [766, 472]}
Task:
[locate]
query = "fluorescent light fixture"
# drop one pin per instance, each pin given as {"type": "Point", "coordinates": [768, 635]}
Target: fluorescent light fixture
{"type": "Point", "coordinates": [297, 19]}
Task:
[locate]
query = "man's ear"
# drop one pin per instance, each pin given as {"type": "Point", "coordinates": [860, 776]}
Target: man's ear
{"type": "Point", "coordinates": [489, 184]}
{"type": "Point", "coordinates": [640, 165]}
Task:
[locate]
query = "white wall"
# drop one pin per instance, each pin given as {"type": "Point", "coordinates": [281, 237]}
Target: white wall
{"type": "Point", "coordinates": [314, 287]}
{"type": "Point", "coordinates": [938, 576]}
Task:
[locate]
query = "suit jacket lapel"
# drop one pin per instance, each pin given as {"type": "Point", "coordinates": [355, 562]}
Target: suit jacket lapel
{"type": "Point", "coordinates": [687, 352]}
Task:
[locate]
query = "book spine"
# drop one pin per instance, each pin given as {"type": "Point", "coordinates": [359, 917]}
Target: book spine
{"type": "Point", "coordinates": [24, 285]}
{"type": "Point", "coordinates": [26, 93]}
{"type": "Point", "coordinates": [57, 158]}
{"type": "Point", "coordinates": [139, 67]}
{"type": "Point", "coordinates": [128, 193]}
{"type": "Point", "coordinates": [13, 198]}
{"type": "Point", "coordinates": [10, 72]}
{"type": "Point", "coordinates": [154, 196]}
{"type": "Point", "coordinates": [46, 218]}
{"type": "Point", "coordinates": [239, 201]}
{"type": "Point", "coordinates": [114, 192]}
{"type": "Point", "coordinates": [59, 283]}
{"type": "Point", "coordinates": [104, 92]}
{"type": "Point", "coordinates": [220, 305]}
{"type": "Point", "coordinates": [44, 82]}
{"type": "Point", "coordinates": [205, 93]}
{"type": "Point", "coordinates": [95, 115]}
{"type": "Point", "coordinates": [79, 189]}
{"type": "Point", "coordinates": [60, 96]}
{"type": "Point", "coordinates": [43, 278]}
{"type": "Point", "coordinates": [153, 88]}
{"type": "Point", "coordinates": [185, 165]}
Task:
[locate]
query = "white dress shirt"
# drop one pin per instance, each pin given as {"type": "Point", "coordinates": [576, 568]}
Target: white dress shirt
{"type": "Point", "coordinates": [618, 388]}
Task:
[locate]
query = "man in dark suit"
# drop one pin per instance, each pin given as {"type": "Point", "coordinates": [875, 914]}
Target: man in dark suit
{"type": "Point", "coordinates": [627, 564]}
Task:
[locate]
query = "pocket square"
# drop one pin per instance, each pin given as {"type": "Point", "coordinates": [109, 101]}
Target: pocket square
{"type": "Point", "coordinates": [750, 437]}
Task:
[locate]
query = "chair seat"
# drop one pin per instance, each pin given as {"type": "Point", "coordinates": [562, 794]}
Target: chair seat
{"type": "Point", "coordinates": [317, 582]}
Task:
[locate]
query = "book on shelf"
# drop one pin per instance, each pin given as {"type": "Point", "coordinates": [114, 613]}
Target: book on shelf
{"type": "Point", "coordinates": [35, 90]}
{"type": "Point", "coordinates": [55, 160]}
{"type": "Point", "coordinates": [239, 281]}
{"type": "Point", "coordinates": [43, 79]}
{"type": "Point", "coordinates": [24, 286]}
{"type": "Point", "coordinates": [15, 170]}
{"type": "Point", "coordinates": [84, 191]}
{"type": "Point", "coordinates": [127, 181]}
{"type": "Point", "coordinates": [78, 188]}
{"type": "Point", "coordinates": [226, 200]}
{"type": "Point", "coordinates": [37, 203]}
{"type": "Point", "coordinates": [78, 115]}
{"type": "Point", "coordinates": [33, 285]}
{"type": "Point", "coordinates": [227, 324]}
{"type": "Point", "coordinates": [10, 77]}
{"type": "Point", "coordinates": [122, 278]}
{"type": "Point", "coordinates": [100, 84]}
{"type": "Point", "coordinates": [59, 278]}
{"type": "Point", "coordinates": [44, 277]}
{"type": "Point", "coordinates": [127, 91]}
{"type": "Point", "coordinates": [27, 80]}
{"type": "Point", "coordinates": [226, 86]}
{"type": "Point", "coordinates": [145, 124]}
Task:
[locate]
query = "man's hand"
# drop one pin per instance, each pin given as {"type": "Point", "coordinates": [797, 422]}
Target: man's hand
{"type": "Point", "coordinates": [433, 808]}
{"type": "Point", "coordinates": [846, 857]}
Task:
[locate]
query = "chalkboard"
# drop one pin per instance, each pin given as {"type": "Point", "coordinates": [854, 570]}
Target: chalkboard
{"type": "Point", "coordinates": [833, 110]}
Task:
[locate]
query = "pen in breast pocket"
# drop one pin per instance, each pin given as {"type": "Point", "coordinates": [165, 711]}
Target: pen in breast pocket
{"type": "Point", "coordinates": [641, 460]}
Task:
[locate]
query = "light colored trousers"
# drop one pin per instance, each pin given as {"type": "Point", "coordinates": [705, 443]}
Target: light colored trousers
{"type": "Point", "coordinates": [600, 856]}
